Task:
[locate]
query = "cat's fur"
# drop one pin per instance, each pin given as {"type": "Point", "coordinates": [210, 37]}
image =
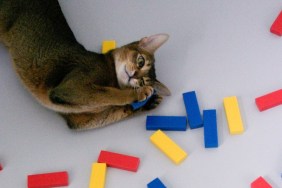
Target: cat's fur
{"type": "Point", "coordinates": [88, 89]}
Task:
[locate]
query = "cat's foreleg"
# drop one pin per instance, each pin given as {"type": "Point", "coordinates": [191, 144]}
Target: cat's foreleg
{"type": "Point", "coordinates": [84, 121]}
{"type": "Point", "coordinates": [81, 99]}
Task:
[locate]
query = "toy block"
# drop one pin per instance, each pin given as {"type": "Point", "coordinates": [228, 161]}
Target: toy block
{"type": "Point", "coordinates": [192, 110]}
{"type": "Point", "coordinates": [108, 45]}
{"type": "Point", "coordinates": [98, 175]}
{"type": "Point", "coordinates": [1, 167]}
{"type": "Point", "coordinates": [156, 183]}
{"type": "Point", "coordinates": [54, 179]}
{"type": "Point", "coordinates": [260, 183]}
{"type": "Point", "coordinates": [168, 147]}
{"type": "Point", "coordinates": [276, 27]}
{"type": "Point", "coordinates": [210, 129]}
{"type": "Point", "coordinates": [121, 161]}
{"type": "Point", "coordinates": [168, 123]}
{"type": "Point", "coordinates": [233, 115]}
{"type": "Point", "coordinates": [269, 100]}
{"type": "Point", "coordinates": [137, 105]}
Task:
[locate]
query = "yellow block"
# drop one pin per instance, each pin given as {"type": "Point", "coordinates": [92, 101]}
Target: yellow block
{"type": "Point", "coordinates": [168, 147]}
{"type": "Point", "coordinates": [108, 45]}
{"type": "Point", "coordinates": [233, 115]}
{"type": "Point", "coordinates": [98, 175]}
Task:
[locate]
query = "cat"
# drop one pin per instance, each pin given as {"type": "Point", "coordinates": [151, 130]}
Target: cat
{"type": "Point", "coordinates": [88, 89]}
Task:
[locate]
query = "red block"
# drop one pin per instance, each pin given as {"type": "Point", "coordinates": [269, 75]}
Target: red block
{"type": "Point", "coordinates": [276, 27]}
{"type": "Point", "coordinates": [1, 167]}
{"type": "Point", "coordinates": [54, 179]}
{"type": "Point", "coordinates": [121, 161]}
{"type": "Point", "coordinates": [269, 100]}
{"type": "Point", "coordinates": [260, 183]}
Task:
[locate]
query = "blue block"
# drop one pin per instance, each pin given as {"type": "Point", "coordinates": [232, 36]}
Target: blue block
{"type": "Point", "coordinates": [137, 105]}
{"type": "Point", "coordinates": [156, 183]}
{"type": "Point", "coordinates": [210, 129]}
{"type": "Point", "coordinates": [166, 123]}
{"type": "Point", "coordinates": [192, 110]}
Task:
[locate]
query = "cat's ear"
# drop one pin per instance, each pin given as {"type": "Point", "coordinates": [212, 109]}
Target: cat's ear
{"type": "Point", "coordinates": [152, 43]}
{"type": "Point", "coordinates": [161, 89]}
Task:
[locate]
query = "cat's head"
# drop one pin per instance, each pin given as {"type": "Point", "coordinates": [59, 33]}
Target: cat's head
{"type": "Point", "coordinates": [135, 63]}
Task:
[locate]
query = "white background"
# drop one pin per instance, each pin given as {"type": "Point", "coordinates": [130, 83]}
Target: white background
{"type": "Point", "coordinates": [218, 48]}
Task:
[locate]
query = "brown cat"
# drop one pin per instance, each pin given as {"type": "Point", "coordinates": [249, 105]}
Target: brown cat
{"type": "Point", "coordinates": [88, 89]}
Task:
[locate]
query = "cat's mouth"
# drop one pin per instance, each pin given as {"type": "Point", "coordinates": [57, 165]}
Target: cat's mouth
{"type": "Point", "coordinates": [129, 77]}
{"type": "Point", "coordinates": [131, 80]}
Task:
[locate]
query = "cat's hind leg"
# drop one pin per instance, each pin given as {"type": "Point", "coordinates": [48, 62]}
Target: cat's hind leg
{"type": "Point", "coordinates": [84, 121]}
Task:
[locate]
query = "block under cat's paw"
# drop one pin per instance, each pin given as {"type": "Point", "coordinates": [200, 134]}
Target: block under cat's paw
{"type": "Point", "coordinates": [153, 102]}
{"type": "Point", "coordinates": [144, 92]}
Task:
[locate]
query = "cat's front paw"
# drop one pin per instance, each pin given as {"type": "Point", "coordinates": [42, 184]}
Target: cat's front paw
{"type": "Point", "coordinates": [153, 102]}
{"type": "Point", "coordinates": [144, 92]}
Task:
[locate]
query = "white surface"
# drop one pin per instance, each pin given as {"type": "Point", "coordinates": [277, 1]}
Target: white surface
{"type": "Point", "coordinates": [218, 48]}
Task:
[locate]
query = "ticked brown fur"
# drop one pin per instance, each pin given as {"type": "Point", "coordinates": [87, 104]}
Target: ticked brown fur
{"type": "Point", "coordinates": [88, 89]}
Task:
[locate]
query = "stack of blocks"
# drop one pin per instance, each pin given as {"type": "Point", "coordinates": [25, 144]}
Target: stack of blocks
{"type": "Point", "coordinates": [114, 160]}
{"type": "Point", "coordinates": [120, 161]}
{"type": "Point", "coordinates": [209, 122]}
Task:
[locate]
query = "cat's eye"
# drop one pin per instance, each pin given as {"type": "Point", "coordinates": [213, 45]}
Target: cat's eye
{"type": "Point", "coordinates": [140, 61]}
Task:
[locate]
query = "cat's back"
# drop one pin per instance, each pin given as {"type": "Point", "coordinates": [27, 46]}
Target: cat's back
{"type": "Point", "coordinates": [39, 40]}
{"type": "Point", "coordinates": [33, 24]}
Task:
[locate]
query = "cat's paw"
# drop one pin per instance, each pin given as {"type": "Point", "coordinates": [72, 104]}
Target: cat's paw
{"type": "Point", "coordinates": [144, 92]}
{"type": "Point", "coordinates": [153, 102]}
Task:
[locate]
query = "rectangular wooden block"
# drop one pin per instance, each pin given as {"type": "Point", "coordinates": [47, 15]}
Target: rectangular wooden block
{"type": "Point", "coordinates": [210, 129]}
{"type": "Point", "coordinates": [137, 105]}
{"type": "Point", "coordinates": [156, 183]}
{"type": "Point", "coordinates": [121, 161]}
{"type": "Point", "coordinates": [269, 100]}
{"type": "Point", "coordinates": [233, 115]}
{"type": "Point", "coordinates": [192, 110]}
{"type": "Point", "coordinates": [276, 27]}
{"type": "Point", "coordinates": [260, 183]}
{"type": "Point", "coordinates": [168, 123]}
{"type": "Point", "coordinates": [54, 179]}
{"type": "Point", "coordinates": [168, 147]}
{"type": "Point", "coordinates": [98, 175]}
{"type": "Point", "coordinates": [108, 45]}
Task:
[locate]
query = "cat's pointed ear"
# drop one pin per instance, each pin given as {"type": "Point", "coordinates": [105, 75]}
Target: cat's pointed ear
{"type": "Point", "coordinates": [152, 43]}
{"type": "Point", "coordinates": [161, 89]}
